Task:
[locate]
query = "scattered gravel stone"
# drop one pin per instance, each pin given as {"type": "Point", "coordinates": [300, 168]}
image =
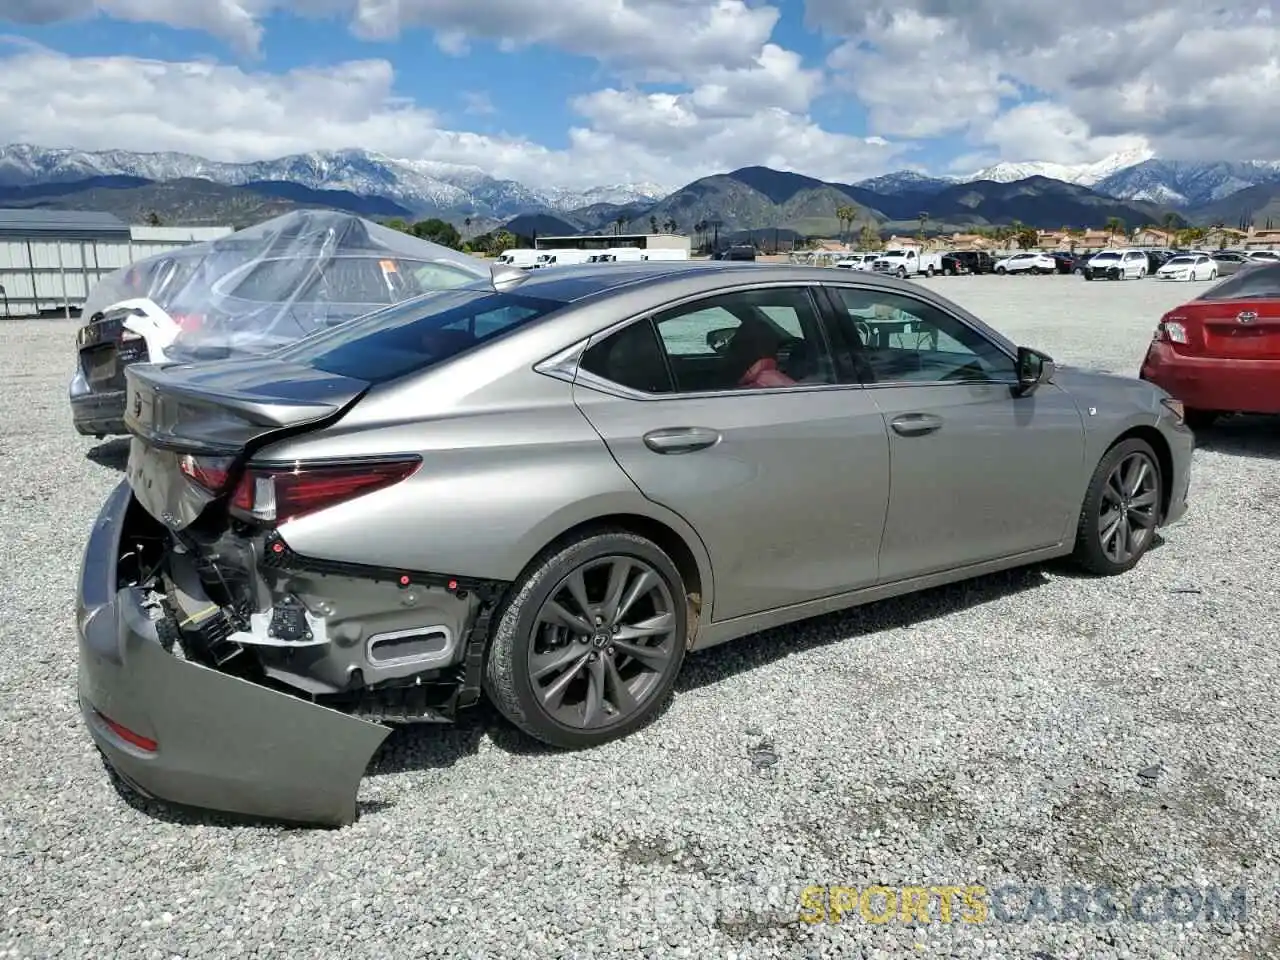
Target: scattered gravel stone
{"type": "Point", "coordinates": [981, 735]}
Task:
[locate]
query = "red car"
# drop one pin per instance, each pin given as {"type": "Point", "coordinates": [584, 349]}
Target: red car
{"type": "Point", "coordinates": [1220, 353]}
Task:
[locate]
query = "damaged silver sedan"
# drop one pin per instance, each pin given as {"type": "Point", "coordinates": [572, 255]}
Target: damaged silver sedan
{"type": "Point", "coordinates": [546, 489]}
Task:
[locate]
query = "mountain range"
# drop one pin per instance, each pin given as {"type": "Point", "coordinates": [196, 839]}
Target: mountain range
{"type": "Point", "coordinates": [1136, 187]}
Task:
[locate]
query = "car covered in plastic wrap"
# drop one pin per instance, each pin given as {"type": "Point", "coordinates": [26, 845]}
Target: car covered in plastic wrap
{"type": "Point", "coordinates": [246, 294]}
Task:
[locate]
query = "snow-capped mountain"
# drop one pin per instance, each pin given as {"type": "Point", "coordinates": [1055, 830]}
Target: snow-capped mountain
{"type": "Point", "coordinates": [905, 181]}
{"type": "Point", "coordinates": [419, 185]}
{"type": "Point", "coordinates": [1181, 184]}
{"type": "Point", "coordinates": [1084, 174]}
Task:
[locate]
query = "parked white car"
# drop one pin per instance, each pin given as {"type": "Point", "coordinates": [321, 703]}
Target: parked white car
{"type": "Point", "coordinates": [1264, 256]}
{"type": "Point", "coordinates": [859, 261]}
{"type": "Point", "coordinates": [907, 263]}
{"type": "Point", "coordinates": [1027, 263]}
{"type": "Point", "coordinates": [1117, 265]}
{"type": "Point", "coordinates": [524, 259]}
{"type": "Point", "coordinates": [562, 258]}
{"type": "Point", "coordinates": [1188, 266]}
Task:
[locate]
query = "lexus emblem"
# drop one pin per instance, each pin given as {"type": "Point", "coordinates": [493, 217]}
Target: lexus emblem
{"type": "Point", "coordinates": [1247, 317]}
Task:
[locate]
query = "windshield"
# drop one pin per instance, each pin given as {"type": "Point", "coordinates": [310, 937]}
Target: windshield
{"type": "Point", "coordinates": [1255, 282]}
{"type": "Point", "coordinates": [894, 253]}
{"type": "Point", "coordinates": [416, 334]}
{"type": "Point", "coordinates": [1107, 256]}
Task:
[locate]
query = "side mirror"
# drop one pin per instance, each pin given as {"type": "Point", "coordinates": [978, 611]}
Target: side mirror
{"type": "Point", "coordinates": [718, 340]}
{"type": "Point", "coordinates": [1034, 368]}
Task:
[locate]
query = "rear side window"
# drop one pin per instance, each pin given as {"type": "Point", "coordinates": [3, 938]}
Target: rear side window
{"type": "Point", "coordinates": [1260, 282]}
{"type": "Point", "coordinates": [416, 334]}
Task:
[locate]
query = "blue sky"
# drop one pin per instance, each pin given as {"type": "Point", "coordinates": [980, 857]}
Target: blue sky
{"type": "Point", "coordinates": [570, 93]}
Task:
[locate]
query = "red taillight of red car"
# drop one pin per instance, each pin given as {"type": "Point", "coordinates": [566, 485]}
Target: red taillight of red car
{"type": "Point", "coordinates": [212, 473]}
{"type": "Point", "coordinates": [279, 494]}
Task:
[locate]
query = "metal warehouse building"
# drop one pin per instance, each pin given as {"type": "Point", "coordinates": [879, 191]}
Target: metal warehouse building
{"type": "Point", "coordinates": [50, 259]}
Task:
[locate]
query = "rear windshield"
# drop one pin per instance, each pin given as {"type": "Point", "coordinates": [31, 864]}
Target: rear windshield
{"type": "Point", "coordinates": [1180, 260]}
{"type": "Point", "coordinates": [416, 334]}
{"type": "Point", "coordinates": [1254, 282]}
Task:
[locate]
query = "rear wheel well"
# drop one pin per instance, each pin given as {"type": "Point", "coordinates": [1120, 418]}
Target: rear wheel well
{"type": "Point", "coordinates": [670, 542]}
{"type": "Point", "coordinates": [1164, 457]}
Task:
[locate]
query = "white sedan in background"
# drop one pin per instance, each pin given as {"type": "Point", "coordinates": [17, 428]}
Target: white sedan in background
{"type": "Point", "coordinates": [1027, 263]}
{"type": "Point", "coordinates": [1188, 266]}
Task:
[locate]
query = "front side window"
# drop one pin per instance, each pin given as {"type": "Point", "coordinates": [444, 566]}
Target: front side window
{"type": "Point", "coordinates": [756, 339]}
{"type": "Point", "coordinates": [904, 340]}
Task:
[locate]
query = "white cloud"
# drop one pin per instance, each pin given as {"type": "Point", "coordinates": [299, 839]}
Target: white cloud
{"type": "Point", "coordinates": [225, 112]}
{"type": "Point", "coordinates": [235, 21]}
{"type": "Point", "coordinates": [660, 39]}
{"type": "Point", "coordinates": [1189, 79]}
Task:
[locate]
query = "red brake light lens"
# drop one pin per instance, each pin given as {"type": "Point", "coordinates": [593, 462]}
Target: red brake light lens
{"type": "Point", "coordinates": [212, 473]}
{"type": "Point", "coordinates": [277, 495]}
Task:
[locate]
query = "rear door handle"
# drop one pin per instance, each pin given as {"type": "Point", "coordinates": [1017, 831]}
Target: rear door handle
{"type": "Point", "coordinates": [681, 439]}
{"type": "Point", "coordinates": [915, 424]}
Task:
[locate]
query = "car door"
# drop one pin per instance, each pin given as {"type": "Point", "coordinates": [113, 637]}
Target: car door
{"type": "Point", "coordinates": [727, 410]}
{"type": "Point", "coordinates": [976, 473]}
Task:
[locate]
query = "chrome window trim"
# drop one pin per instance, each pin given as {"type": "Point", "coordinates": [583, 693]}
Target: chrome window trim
{"type": "Point", "coordinates": [554, 365]}
{"type": "Point", "coordinates": [565, 364]}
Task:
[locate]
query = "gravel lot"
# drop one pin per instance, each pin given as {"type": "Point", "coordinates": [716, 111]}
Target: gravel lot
{"type": "Point", "coordinates": [989, 733]}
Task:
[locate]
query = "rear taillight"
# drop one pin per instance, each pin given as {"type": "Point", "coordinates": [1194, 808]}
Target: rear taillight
{"type": "Point", "coordinates": [188, 322]}
{"type": "Point", "coordinates": [1171, 330]}
{"type": "Point", "coordinates": [280, 494]}
{"type": "Point", "coordinates": [212, 473]}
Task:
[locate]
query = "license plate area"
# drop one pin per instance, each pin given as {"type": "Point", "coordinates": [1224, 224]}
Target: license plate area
{"type": "Point", "coordinates": [101, 364]}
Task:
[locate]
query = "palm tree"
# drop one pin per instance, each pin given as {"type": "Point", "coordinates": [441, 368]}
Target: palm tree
{"type": "Point", "coordinates": [923, 217]}
{"type": "Point", "coordinates": [619, 222]}
{"type": "Point", "coordinates": [846, 215]}
{"type": "Point", "coordinates": [870, 237]}
{"type": "Point", "coordinates": [653, 224]}
{"type": "Point", "coordinates": [1113, 226]}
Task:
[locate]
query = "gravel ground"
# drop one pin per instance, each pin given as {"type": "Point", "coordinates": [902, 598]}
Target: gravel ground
{"type": "Point", "coordinates": [1033, 728]}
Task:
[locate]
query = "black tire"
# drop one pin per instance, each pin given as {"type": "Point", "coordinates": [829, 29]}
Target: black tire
{"type": "Point", "coordinates": [1200, 419]}
{"type": "Point", "coordinates": [928, 271]}
{"type": "Point", "coordinates": [902, 273]}
{"type": "Point", "coordinates": [948, 272]}
{"type": "Point", "coordinates": [1001, 270]}
{"type": "Point", "coordinates": [1090, 551]}
{"type": "Point", "coordinates": [508, 680]}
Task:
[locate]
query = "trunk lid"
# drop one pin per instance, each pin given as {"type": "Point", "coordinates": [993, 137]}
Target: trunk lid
{"type": "Point", "coordinates": [218, 411]}
{"type": "Point", "coordinates": [1231, 329]}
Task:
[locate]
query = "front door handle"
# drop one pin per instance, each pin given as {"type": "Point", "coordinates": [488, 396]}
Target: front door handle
{"type": "Point", "coordinates": [681, 439]}
{"type": "Point", "coordinates": [915, 424]}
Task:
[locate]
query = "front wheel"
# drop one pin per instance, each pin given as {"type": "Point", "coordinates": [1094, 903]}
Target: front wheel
{"type": "Point", "coordinates": [1001, 271]}
{"type": "Point", "coordinates": [590, 644]}
{"type": "Point", "coordinates": [1121, 510]}
{"type": "Point", "coordinates": [902, 273]}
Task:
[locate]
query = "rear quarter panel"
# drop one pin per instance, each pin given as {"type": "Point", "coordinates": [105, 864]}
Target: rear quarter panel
{"type": "Point", "coordinates": [509, 464]}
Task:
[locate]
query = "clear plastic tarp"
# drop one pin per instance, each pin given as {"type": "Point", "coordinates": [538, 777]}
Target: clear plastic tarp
{"type": "Point", "coordinates": [272, 284]}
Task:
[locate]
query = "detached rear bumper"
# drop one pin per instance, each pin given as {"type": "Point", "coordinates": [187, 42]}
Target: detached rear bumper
{"type": "Point", "coordinates": [184, 733]}
{"type": "Point", "coordinates": [96, 414]}
{"type": "Point", "coordinates": [1208, 383]}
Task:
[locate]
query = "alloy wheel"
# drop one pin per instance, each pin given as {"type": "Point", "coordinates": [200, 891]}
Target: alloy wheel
{"type": "Point", "coordinates": [605, 640]}
{"type": "Point", "coordinates": [1127, 511]}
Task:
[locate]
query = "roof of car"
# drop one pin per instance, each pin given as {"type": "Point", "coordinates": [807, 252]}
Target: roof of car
{"type": "Point", "coordinates": [568, 284]}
